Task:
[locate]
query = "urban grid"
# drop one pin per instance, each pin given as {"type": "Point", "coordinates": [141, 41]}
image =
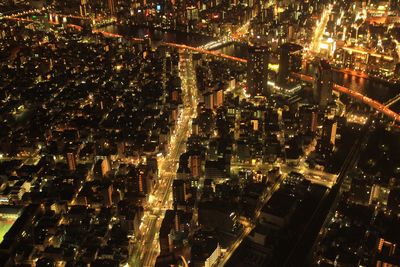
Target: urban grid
{"type": "Point", "coordinates": [200, 133]}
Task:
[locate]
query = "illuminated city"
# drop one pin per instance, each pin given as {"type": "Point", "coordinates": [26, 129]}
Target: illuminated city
{"type": "Point", "coordinates": [199, 133]}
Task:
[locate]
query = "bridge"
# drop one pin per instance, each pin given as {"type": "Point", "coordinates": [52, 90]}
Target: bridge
{"type": "Point", "coordinates": [383, 108]}
{"type": "Point", "coordinates": [230, 37]}
{"type": "Point", "coordinates": [53, 17]}
{"type": "Point", "coordinates": [205, 51]}
{"type": "Point", "coordinates": [392, 101]}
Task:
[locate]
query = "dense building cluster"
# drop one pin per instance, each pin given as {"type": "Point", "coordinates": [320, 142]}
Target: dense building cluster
{"type": "Point", "coordinates": [83, 120]}
{"type": "Point", "coordinates": [245, 133]}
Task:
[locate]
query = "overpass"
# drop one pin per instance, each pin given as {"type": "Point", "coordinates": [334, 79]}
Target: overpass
{"type": "Point", "coordinates": [372, 103]}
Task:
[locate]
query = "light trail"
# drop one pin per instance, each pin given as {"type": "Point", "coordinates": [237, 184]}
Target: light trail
{"type": "Point", "coordinates": [163, 194]}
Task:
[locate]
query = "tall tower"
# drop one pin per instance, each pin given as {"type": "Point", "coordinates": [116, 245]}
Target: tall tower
{"type": "Point", "coordinates": [257, 71]}
{"type": "Point", "coordinates": [322, 87]}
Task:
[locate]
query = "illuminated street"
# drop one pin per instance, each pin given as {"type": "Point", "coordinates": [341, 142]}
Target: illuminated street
{"type": "Point", "coordinates": [161, 199]}
{"type": "Point", "coordinates": [199, 134]}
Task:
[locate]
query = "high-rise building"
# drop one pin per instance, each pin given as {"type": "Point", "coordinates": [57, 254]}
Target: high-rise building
{"type": "Point", "coordinates": [329, 131]}
{"type": "Point", "coordinates": [106, 191]}
{"type": "Point", "coordinates": [266, 14]}
{"type": "Point", "coordinates": [208, 100]}
{"type": "Point", "coordinates": [192, 13]}
{"type": "Point", "coordinates": [290, 59]}
{"type": "Point", "coordinates": [179, 191]}
{"type": "Point", "coordinates": [71, 160]}
{"type": "Point", "coordinates": [322, 88]}
{"type": "Point", "coordinates": [257, 71]}
{"type": "Point", "coordinates": [218, 97]}
{"type": "Point", "coordinates": [195, 165]}
{"type": "Point", "coordinates": [111, 7]}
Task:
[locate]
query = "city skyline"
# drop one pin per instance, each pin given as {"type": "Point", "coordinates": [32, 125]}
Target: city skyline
{"type": "Point", "coordinates": [189, 133]}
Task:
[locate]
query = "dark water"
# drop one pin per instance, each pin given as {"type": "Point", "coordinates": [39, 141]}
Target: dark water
{"type": "Point", "coordinates": [374, 89]}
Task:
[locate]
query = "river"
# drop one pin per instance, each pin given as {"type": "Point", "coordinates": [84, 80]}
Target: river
{"type": "Point", "coordinates": [374, 89]}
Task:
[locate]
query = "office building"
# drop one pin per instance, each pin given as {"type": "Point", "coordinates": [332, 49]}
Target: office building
{"type": "Point", "coordinates": [257, 71]}
{"type": "Point", "coordinates": [208, 100]}
{"type": "Point", "coordinates": [290, 59]}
